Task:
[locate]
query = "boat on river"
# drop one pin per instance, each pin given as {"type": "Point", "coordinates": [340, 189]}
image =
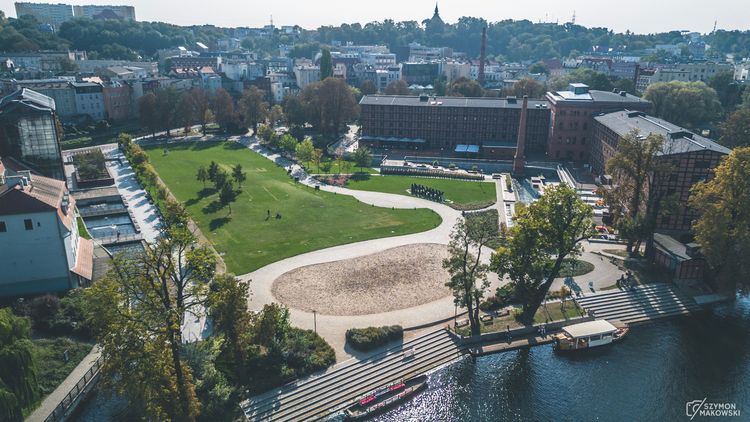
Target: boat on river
{"type": "Point", "coordinates": [590, 334]}
{"type": "Point", "coordinates": [385, 398]}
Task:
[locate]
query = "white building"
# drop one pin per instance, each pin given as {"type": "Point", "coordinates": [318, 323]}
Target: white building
{"type": "Point", "coordinates": [455, 70]}
{"type": "Point", "coordinates": [89, 99]}
{"type": "Point", "coordinates": [306, 75]}
{"type": "Point", "coordinates": [378, 60]}
{"type": "Point", "coordinates": [104, 12]}
{"type": "Point", "coordinates": [51, 14]}
{"type": "Point", "coordinates": [40, 249]}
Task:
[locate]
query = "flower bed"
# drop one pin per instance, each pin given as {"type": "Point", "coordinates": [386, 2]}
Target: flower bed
{"type": "Point", "coordinates": [427, 172]}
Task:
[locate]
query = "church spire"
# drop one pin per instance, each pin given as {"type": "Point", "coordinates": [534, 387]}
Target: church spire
{"type": "Point", "coordinates": [437, 13]}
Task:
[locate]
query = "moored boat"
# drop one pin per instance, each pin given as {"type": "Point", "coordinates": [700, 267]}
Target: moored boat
{"type": "Point", "coordinates": [590, 334]}
{"type": "Point", "coordinates": [384, 398]}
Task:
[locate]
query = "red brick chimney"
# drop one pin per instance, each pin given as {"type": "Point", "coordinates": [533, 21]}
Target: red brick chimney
{"type": "Point", "coordinates": [518, 160]}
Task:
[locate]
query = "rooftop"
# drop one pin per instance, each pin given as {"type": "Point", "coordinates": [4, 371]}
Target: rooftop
{"type": "Point", "coordinates": [412, 101]}
{"type": "Point", "coordinates": [590, 328]}
{"type": "Point", "coordinates": [29, 98]}
{"type": "Point", "coordinates": [679, 139]}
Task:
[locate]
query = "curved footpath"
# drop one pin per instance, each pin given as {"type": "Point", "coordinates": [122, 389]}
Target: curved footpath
{"type": "Point", "coordinates": [331, 327]}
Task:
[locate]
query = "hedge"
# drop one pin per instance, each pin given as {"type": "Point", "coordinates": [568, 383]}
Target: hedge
{"type": "Point", "coordinates": [426, 172]}
{"type": "Point", "coordinates": [366, 339]}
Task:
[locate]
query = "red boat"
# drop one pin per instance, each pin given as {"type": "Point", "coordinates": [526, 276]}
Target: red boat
{"type": "Point", "coordinates": [385, 398]}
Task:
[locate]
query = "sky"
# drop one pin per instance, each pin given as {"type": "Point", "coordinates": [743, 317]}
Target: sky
{"type": "Point", "coordinates": [640, 16]}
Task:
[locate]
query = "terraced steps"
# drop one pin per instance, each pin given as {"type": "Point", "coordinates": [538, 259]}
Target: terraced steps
{"type": "Point", "coordinates": [327, 393]}
{"type": "Point", "coordinates": [641, 304]}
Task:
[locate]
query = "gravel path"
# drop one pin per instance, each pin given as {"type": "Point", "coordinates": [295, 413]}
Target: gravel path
{"type": "Point", "coordinates": [394, 279]}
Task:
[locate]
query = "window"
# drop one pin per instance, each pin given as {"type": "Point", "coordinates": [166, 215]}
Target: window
{"type": "Point", "coordinates": [702, 164]}
{"type": "Point", "coordinates": [28, 224]}
{"type": "Point", "coordinates": [3, 229]}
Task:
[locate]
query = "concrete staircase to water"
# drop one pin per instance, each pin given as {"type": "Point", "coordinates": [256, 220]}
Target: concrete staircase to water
{"type": "Point", "coordinates": [321, 395]}
{"type": "Point", "coordinates": [643, 303]}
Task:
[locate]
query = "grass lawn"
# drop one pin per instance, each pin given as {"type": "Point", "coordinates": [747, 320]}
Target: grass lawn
{"type": "Point", "coordinates": [461, 194]}
{"type": "Point", "coordinates": [552, 312]}
{"type": "Point", "coordinates": [244, 236]}
{"type": "Point", "coordinates": [575, 267]}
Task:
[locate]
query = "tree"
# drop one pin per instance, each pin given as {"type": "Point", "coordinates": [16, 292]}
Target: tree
{"type": "Point", "coordinates": [304, 150]}
{"type": "Point", "coordinates": [328, 104]}
{"type": "Point", "coordinates": [538, 68]}
{"type": "Point", "coordinates": [201, 108]}
{"type": "Point", "coordinates": [288, 143]}
{"type": "Point", "coordinates": [465, 87]}
{"type": "Point", "coordinates": [735, 131]}
{"type": "Point", "coordinates": [166, 104]}
{"type": "Point", "coordinates": [468, 274]}
{"type": "Point", "coordinates": [238, 175]}
{"type": "Point", "coordinates": [227, 306]}
{"type": "Point", "coordinates": [213, 170]}
{"type": "Point", "coordinates": [227, 195]}
{"type": "Point", "coordinates": [727, 89]}
{"type": "Point", "coordinates": [184, 113]}
{"type": "Point", "coordinates": [223, 108]}
{"type": "Point", "coordinates": [220, 180]}
{"type": "Point", "coordinates": [363, 157]}
{"type": "Point", "coordinates": [723, 229]}
{"type": "Point", "coordinates": [368, 88]}
{"type": "Point", "coordinates": [626, 85]}
{"type": "Point", "coordinates": [317, 157]}
{"type": "Point", "coordinates": [633, 168]}
{"type": "Point", "coordinates": [529, 87]}
{"type": "Point", "coordinates": [562, 220]}
{"type": "Point", "coordinates": [326, 64]}
{"type": "Point", "coordinates": [397, 87]}
{"type": "Point", "coordinates": [147, 112]}
{"type": "Point", "coordinates": [294, 109]}
{"type": "Point", "coordinates": [202, 175]}
{"type": "Point", "coordinates": [136, 312]}
{"type": "Point", "coordinates": [253, 107]}
{"type": "Point", "coordinates": [18, 374]}
{"type": "Point", "coordinates": [690, 104]}
{"type": "Point", "coordinates": [276, 115]}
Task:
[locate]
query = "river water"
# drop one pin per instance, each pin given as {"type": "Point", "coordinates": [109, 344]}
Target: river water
{"type": "Point", "coordinates": [648, 377]}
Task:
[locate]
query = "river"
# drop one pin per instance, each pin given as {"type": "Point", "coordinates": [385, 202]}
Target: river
{"type": "Point", "coordinates": [648, 377]}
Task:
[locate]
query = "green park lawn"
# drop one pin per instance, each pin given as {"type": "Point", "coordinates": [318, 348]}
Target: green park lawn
{"type": "Point", "coordinates": [310, 220]}
{"type": "Point", "coordinates": [460, 194]}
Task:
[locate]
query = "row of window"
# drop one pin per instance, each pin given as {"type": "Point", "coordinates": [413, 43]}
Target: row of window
{"type": "Point", "coordinates": [27, 223]}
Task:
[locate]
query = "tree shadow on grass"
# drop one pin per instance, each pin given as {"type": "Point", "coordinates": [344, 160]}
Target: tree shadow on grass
{"type": "Point", "coordinates": [218, 223]}
{"type": "Point", "coordinates": [203, 193]}
{"type": "Point", "coordinates": [213, 207]}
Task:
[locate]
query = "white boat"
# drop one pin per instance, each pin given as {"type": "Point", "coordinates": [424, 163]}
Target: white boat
{"type": "Point", "coordinates": [590, 334]}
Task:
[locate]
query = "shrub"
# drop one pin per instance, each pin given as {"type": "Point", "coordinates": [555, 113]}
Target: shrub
{"type": "Point", "coordinates": [452, 166]}
{"type": "Point", "coordinates": [366, 339]}
{"type": "Point", "coordinates": [493, 303]}
{"type": "Point", "coordinates": [42, 311]}
{"type": "Point", "coordinates": [508, 183]}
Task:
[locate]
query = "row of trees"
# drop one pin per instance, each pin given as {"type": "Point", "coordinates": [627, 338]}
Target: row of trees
{"type": "Point", "coordinates": [531, 253]}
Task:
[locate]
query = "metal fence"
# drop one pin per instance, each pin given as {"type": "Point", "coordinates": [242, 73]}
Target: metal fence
{"type": "Point", "coordinates": [61, 409]}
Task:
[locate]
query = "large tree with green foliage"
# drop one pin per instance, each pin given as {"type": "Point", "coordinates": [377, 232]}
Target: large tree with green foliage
{"type": "Point", "coordinates": [468, 273]}
{"type": "Point", "coordinates": [363, 157]}
{"type": "Point", "coordinates": [633, 168]}
{"type": "Point", "coordinates": [18, 374]}
{"type": "Point", "coordinates": [147, 112]}
{"type": "Point", "coordinates": [690, 104]}
{"type": "Point", "coordinates": [595, 80]}
{"type": "Point", "coordinates": [304, 150]}
{"type": "Point", "coordinates": [465, 87]}
{"type": "Point", "coordinates": [326, 64]}
{"type": "Point", "coordinates": [723, 229]}
{"type": "Point", "coordinates": [227, 306]}
{"type": "Point", "coordinates": [397, 87]}
{"type": "Point", "coordinates": [136, 312]}
{"type": "Point", "coordinates": [735, 131]}
{"type": "Point", "coordinates": [551, 229]}
{"type": "Point", "coordinates": [253, 107]}
{"type": "Point", "coordinates": [328, 105]}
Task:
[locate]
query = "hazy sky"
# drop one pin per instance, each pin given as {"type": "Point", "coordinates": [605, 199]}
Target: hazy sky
{"type": "Point", "coordinates": [640, 16]}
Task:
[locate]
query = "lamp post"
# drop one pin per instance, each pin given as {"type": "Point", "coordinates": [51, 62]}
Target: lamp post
{"type": "Point", "coordinates": [315, 321]}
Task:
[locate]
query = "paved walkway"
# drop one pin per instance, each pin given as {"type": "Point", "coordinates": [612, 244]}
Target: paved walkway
{"type": "Point", "coordinates": [53, 399]}
{"type": "Point", "coordinates": [605, 273]}
{"type": "Point", "coordinates": [332, 328]}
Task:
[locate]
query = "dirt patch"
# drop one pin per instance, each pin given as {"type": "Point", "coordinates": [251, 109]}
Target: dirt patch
{"type": "Point", "coordinates": [390, 280]}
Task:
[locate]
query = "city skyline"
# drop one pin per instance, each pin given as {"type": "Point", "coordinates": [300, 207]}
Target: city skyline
{"type": "Point", "coordinates": [693, 16]}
